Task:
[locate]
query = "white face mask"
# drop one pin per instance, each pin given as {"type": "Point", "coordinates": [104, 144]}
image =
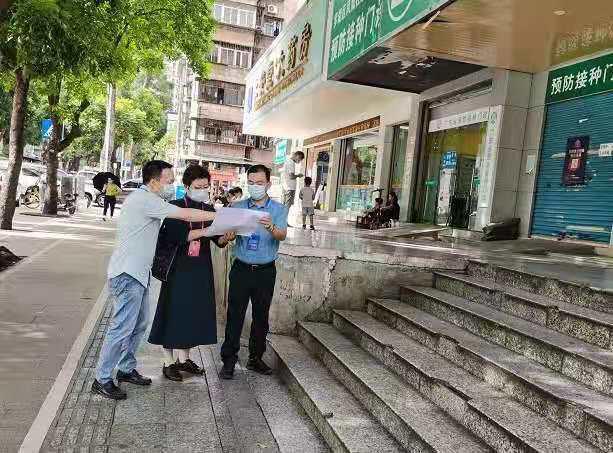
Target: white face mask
{"type": "Point", "coordinates": [168, 192]}
{"type": "Point", "coordinates": [199, 195]}
{"type": "Point", "coordinates": [256, 192]}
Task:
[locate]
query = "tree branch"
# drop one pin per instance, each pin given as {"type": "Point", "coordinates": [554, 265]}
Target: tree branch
{"type": "Point", "coordinates": [75, 126]}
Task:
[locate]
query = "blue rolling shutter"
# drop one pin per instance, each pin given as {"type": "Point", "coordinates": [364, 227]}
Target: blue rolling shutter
{"type": "Point", "coordinates": [584, 212]}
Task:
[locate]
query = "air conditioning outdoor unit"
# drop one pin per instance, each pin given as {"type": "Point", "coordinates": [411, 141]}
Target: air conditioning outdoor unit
{"type": "Point", "coordinates": [272, 9]}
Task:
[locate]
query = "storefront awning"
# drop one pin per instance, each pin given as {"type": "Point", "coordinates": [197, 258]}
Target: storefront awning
{"type": "Point", "coordinates": [417, 44]}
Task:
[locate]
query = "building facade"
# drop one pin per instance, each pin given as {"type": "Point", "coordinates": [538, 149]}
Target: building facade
{"type": "Point", "coordinates": [207, 112]}
{"type": "Point", "coordinates": [472, 118]}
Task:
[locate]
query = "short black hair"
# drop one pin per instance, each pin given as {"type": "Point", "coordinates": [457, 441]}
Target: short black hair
{"type": "Point", "coordinates": [153, 170]}
{"type": "Point", "coordinates": [308, 180]}
{"type": "Point", "coordinates": [299, 154]}
{"type": "Point", "coordinates": [379, 200]}
{"type": "Point", "coordinates": [194, 172]}
{"type": "Point", "coordinates": [259, 168]}
{"type": "Point", "coordinates": [235, 190]}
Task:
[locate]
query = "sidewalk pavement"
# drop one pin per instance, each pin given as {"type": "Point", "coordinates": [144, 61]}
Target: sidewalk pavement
{"type": "Point", "coordinates": [48, 307]}
{"type": "Point", "coordinates": [44, 301]}
{"type": "Point", "coordinates": [251, 413]}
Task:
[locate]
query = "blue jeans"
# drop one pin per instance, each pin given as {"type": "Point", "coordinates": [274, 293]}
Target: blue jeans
{"type": "Point", "coordinates": [126, 329]}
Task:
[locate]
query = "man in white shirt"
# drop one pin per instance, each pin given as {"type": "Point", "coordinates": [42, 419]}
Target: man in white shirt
{"type": "Point", "coordinates": [129, 274]}
{"type": "Point", "coordinates": [289, 178]}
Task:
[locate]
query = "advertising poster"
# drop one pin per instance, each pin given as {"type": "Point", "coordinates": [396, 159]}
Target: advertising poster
{"type": "Point", "coordinates": [575, 161]}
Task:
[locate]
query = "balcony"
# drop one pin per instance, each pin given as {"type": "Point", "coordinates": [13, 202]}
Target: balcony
{"type": "Point", "coordinates": [229, 113]}
{"type": "Point", "coordinates": [227, 73]}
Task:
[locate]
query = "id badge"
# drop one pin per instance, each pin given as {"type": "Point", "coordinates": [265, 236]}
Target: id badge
{"type": "Point", "coordinates": [253, 242]}
{"type": "Point", "coordinates": [194, 248]}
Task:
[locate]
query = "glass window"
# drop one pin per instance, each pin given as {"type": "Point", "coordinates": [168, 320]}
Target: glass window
{"type": "Point", "coordinates": [399, 153]}
{"type": "Point", "coordinates": [226, 56]}
{"type": "Point", "coordinates": [246, 18]}
{"type": "Point", "coordinates": [450, 184]}
{"type": "Point", "coordinates": [218, 12]}
{"type": "Point", "coordinates": [230, 15]}
{"type": "Point", "coordinates": [358, 173]}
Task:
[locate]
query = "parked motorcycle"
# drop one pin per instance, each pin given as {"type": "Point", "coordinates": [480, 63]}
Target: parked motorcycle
{"type": "Point", "coordinates": [67, 200]}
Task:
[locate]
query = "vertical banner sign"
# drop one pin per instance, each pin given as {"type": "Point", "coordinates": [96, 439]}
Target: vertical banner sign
{"type": "Point", "coordinates": [575, 161]}
{"type": "Point", "coordinates": [489, 164]}
{"type": "Point", "coordinates": [281, 152]}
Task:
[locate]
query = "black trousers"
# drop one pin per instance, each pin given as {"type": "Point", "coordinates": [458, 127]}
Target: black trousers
{"type": "Point", "coordinates": [248, 283]}
{"type": "Point", "coordinates": [109, 202]}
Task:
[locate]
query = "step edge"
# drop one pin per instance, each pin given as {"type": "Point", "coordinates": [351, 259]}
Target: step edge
{"type": "Point", "coordinates": [564, 307]}
{"type": "Point", "coordinates": [383, 401]}
{"type": "Point", "coordinates": [517, 330]}
{"type": "Point", "coordinates": [469, 400]}
{"type": "Point", "coordinates": [341, 438]}
{"type": "Point", "coordinates": [594, 412]}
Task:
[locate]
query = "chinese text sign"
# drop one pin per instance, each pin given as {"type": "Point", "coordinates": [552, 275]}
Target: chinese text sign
{"type": "Point", "coordinates": [581, 79]}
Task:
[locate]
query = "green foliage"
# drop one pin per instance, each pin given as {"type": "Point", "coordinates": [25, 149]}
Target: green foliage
{"type": "Point", "coordinates": [140, 120]}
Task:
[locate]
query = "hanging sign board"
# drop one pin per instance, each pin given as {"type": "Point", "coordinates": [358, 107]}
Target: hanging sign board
{"type": "Point", "coordinates": [575, 161]}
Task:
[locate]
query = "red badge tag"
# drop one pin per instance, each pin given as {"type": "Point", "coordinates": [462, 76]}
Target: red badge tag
{"type": "Point", "coordinates": [194, 248]}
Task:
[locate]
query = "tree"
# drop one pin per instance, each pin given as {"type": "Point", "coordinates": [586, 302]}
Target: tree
{"type": "Point", "coordinates": [148, 31]}
{"type": "Point", "coordinates": [68, 96]}
{"type": "Point", "coordinates": [39, 38]}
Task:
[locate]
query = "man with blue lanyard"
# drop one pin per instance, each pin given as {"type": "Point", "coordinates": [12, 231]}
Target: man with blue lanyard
{"type": "Point", "coordinates": [253, 275]}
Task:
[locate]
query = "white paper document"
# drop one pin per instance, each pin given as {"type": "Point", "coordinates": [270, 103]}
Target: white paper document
{"type": "Point", "coordinates": [243, 221]}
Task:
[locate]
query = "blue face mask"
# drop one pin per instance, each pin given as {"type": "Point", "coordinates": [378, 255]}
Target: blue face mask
{"type": "Point", "coordinates": [168, 192]}
{"type": "Point", "coordinates": [256, 192]}
{"type": "Point", "coordinates": [199, 195]}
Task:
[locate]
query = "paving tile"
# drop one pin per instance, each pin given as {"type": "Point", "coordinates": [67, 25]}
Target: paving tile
{"type": "Point", "coordinates": [137, 436]}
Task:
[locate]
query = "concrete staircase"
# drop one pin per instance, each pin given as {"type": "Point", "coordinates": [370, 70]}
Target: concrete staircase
{"type": "Point", "coordinates": [489, 359]}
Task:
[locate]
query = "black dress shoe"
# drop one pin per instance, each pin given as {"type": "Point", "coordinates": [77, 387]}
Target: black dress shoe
{"type": "Point", "coordinates": [190, 367]}
{"type": "Point", "coordinates": [227, 372]}
{"type": "Point", "coordinates": [108, 390]}
{"type": "Point", "coordinates": [133, 377]}
{"type": "Point", "coordinates": [171, 372]}
{"type": "Point", "coordinates": [259, 366]}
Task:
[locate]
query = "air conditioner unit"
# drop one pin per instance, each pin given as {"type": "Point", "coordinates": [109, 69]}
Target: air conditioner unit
{"type": "Point", "coordinates": [272, 9]}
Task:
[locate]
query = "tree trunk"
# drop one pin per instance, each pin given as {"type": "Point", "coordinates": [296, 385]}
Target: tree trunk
{"type": "Point", "coordinates": [51, 192]}
{"type": "Point", "coordinates": [8, 194]}
{"type": "Point", "coordinates": [109, 130]}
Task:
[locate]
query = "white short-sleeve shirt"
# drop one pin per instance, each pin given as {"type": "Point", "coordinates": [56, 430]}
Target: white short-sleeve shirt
{"type": "Point", "coordinates": [289, 168]}
{"type": "Point", "coordinates": [138, 227]}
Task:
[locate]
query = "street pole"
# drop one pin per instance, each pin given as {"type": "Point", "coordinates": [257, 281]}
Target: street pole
{"type": "Point", "coordinates": [109, 130]}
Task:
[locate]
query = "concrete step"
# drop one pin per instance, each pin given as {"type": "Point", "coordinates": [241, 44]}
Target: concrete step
{"type": "Point", "coordinates": [577, 359]}
{"type": "Point", "coordinates": [416, 423]}
{"type": "Point", "coordinates": [556, 288]}
{"type": "Point", "coordinates": [345, 425]}
{"type": "Point", "coordinates": [502, 422]}
{"type": "Point", "coordinates": [585, 412]}
{"type": "Point", "coordinates": [595, 327]}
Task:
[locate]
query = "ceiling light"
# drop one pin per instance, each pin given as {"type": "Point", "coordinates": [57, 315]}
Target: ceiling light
{"type": "Point", "coordinates": [559, 12]}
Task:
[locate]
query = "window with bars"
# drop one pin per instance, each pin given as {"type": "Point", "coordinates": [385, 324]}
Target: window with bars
{"type": "Point", "coordinates": [231, 55]}
{"type": "Point", "coordinates": [218, 92]}
{"type": "Point", "coordinates": [272, 27]}
{"type": "Point", "coordinates": [234, 16]}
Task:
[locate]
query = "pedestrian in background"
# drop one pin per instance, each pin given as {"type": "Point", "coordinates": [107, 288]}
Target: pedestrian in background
{"type": "Point", "coordinates": [235, 194]}
{"type": "Point", "coordinates": [307, 195]}
{"type": "Point", "coordinates": [186, 316]}
{"type": "Point", "coordinates": [289, 178]}
{"type": "Point", "coordinates": [111, 191]}
{"type": "Point", "coordinates": [253, 275]}
{"type": "Point", "coordinates": [129, 275]}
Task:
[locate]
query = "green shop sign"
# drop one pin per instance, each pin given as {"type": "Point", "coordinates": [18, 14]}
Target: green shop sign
{"type": "Point", "coordinates": [357, 25]}
{"type": "Point", "coordinates": [581, 79]}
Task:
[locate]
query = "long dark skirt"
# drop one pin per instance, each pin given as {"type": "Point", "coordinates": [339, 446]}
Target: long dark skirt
{"type": "Point", "coordinates": [186, 315]}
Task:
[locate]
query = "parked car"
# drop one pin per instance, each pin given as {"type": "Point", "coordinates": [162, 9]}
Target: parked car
{"type": "Point", "coordinates": [27, 178]}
